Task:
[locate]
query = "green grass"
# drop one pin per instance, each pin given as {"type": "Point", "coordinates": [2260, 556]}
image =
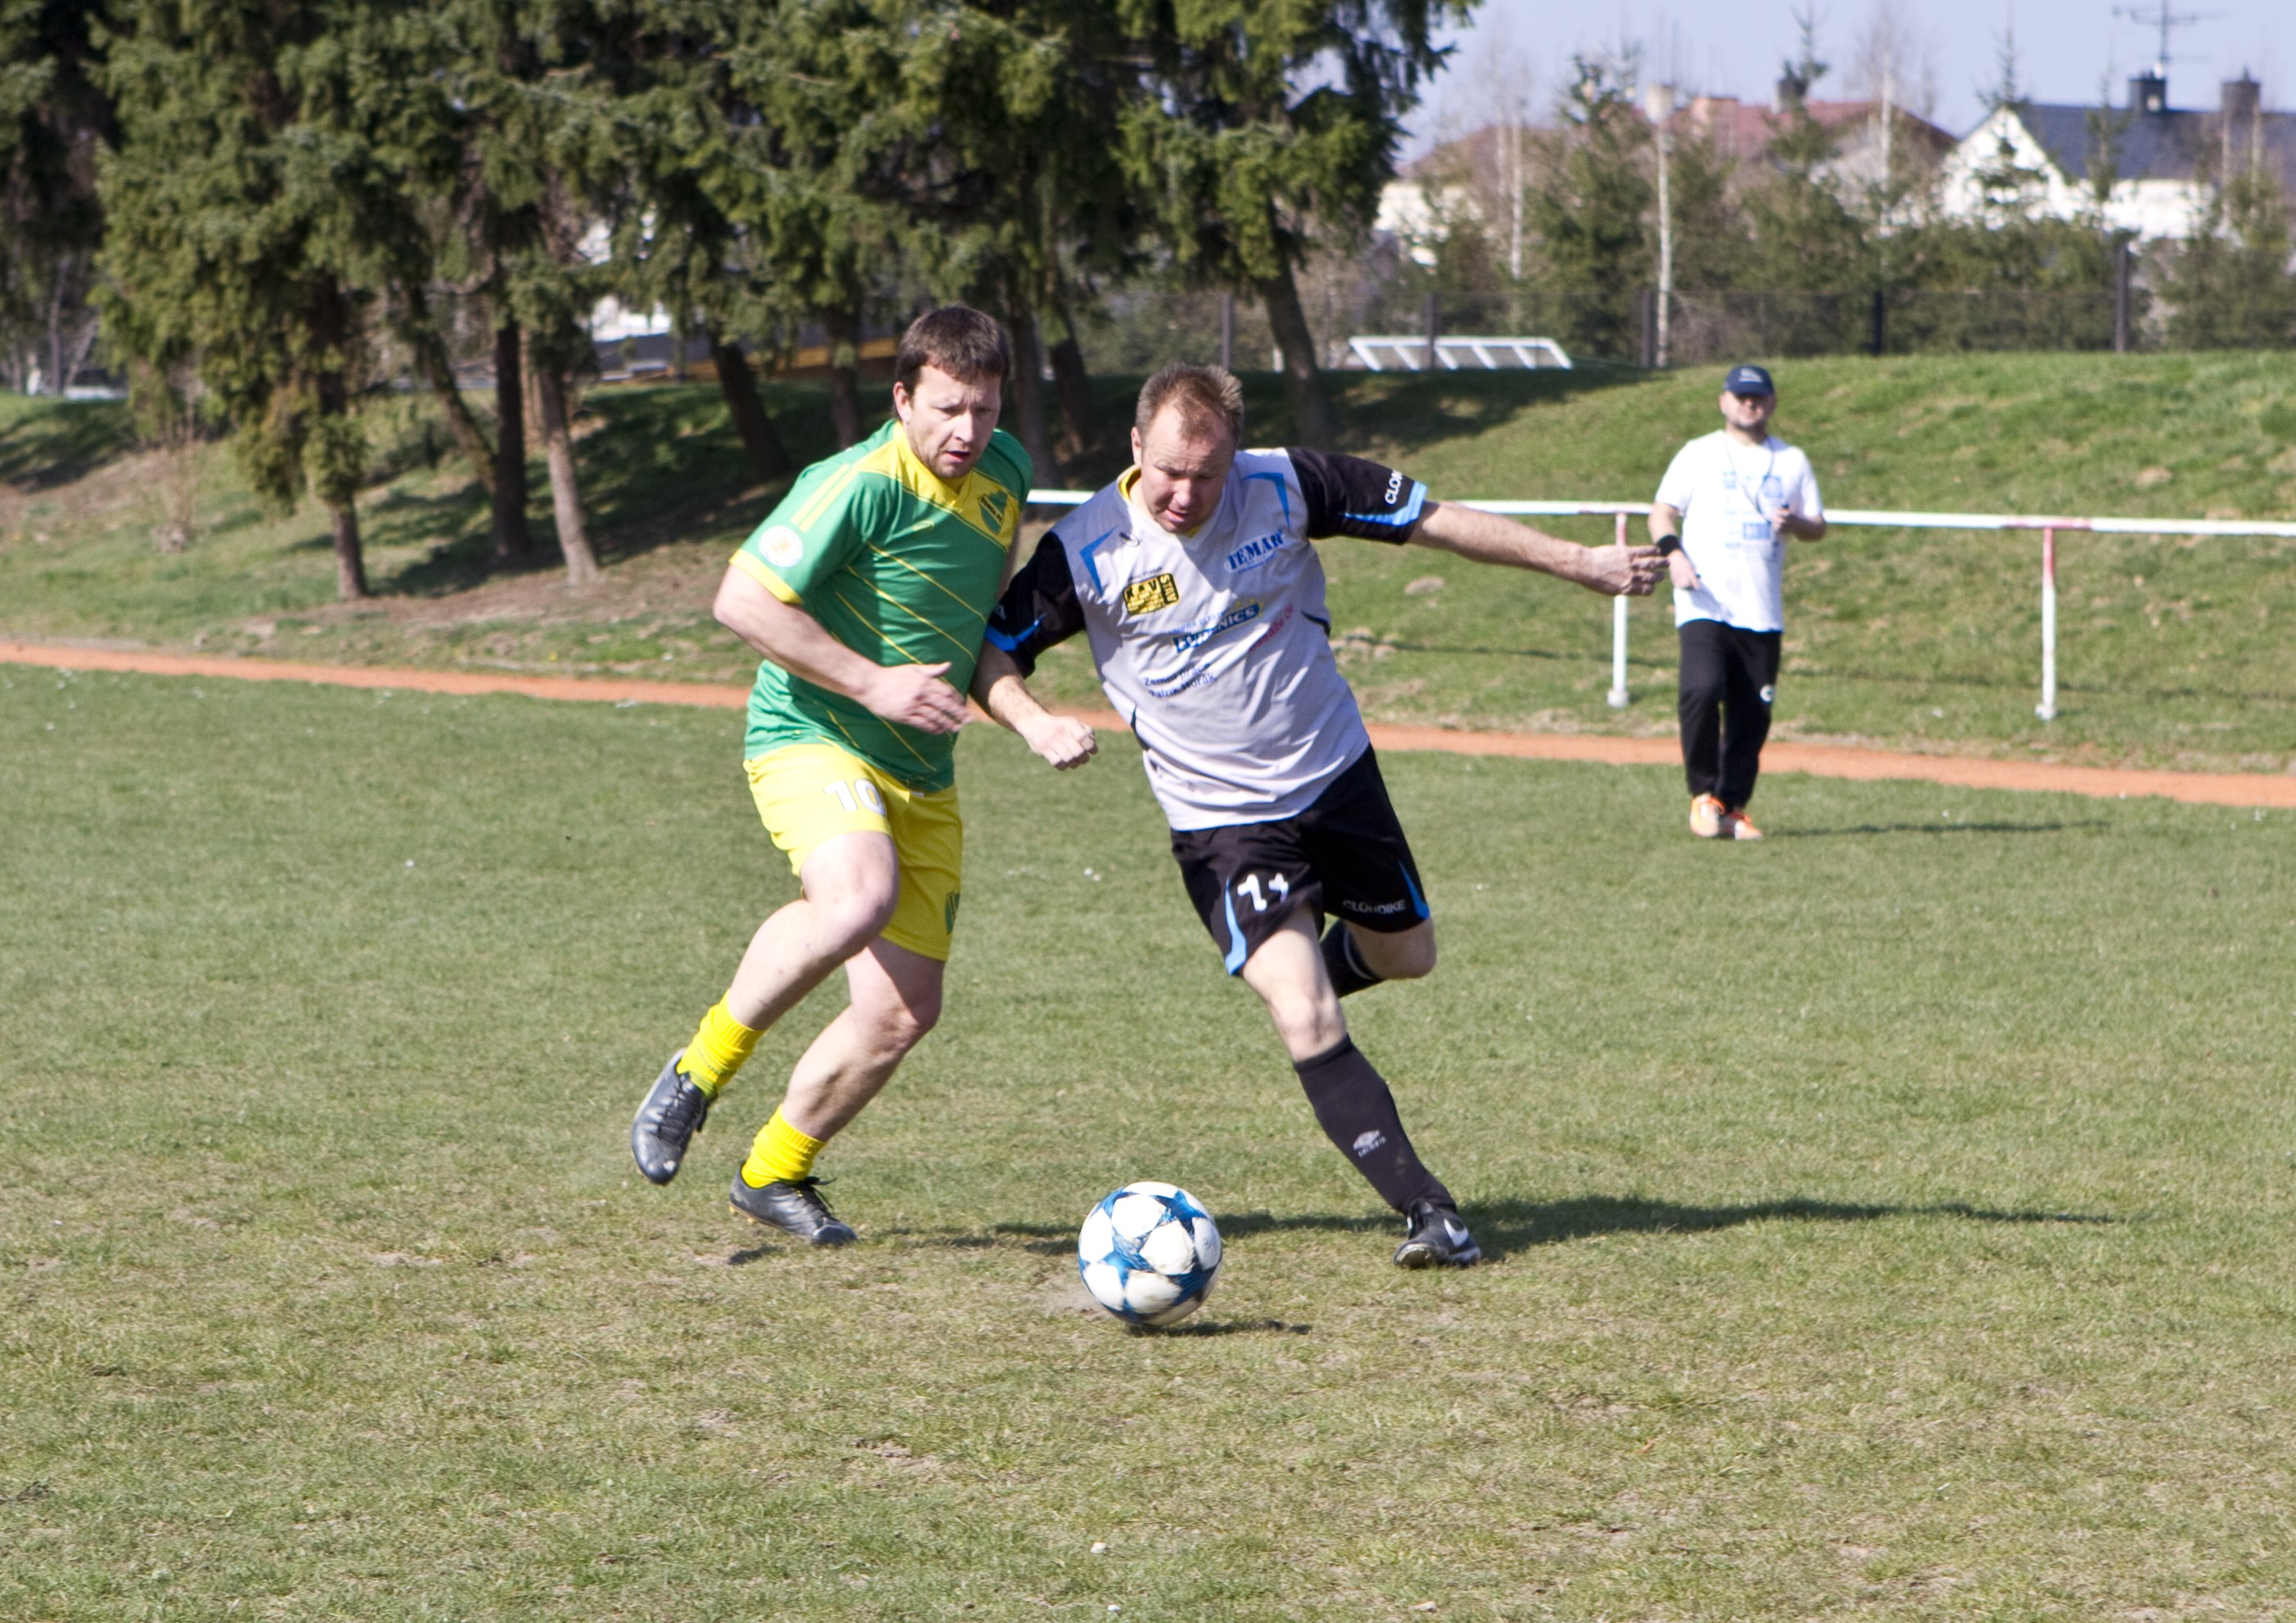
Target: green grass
{"type": "Point", "coordinates": [1887, 1220]}
{"type": "Point", "coordinates": [2171, 652]}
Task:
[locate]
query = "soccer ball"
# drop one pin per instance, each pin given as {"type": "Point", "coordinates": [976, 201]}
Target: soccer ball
{"type": "Point", "coordinates": [1148, 1254]}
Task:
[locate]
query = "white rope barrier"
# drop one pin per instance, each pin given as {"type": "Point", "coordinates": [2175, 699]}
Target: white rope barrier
{"type": "Point", "coordinates": [1870, 518]}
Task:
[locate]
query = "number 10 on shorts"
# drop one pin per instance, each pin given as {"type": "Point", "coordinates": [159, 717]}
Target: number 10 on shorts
{"type": "Point", "coordinates": [860, 790]}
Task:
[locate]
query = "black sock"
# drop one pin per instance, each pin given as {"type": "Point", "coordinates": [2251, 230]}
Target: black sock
{"type": "Point", "coordinates": [1343, 962]}
{"type": "Point", "coordinates": [1357, 1114]}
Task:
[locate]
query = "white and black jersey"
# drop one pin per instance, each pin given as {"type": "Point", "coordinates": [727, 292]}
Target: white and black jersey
{"type": "Point", "coordinates": [1215, 646]}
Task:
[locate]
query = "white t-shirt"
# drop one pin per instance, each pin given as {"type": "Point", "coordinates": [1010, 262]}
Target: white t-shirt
{"type": "Point", "coordinates": [1723, 490]}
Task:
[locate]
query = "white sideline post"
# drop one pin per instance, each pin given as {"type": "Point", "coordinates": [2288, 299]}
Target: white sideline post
{"type": "Point", "coordinates": [1618, 637]}
{"type": "Point", "coordinates": [2047, 709]}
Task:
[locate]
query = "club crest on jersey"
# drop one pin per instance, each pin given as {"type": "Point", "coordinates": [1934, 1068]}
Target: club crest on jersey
{"type": "Point", "coordinates": [1251, 555]}
{"type": "Point", "coordinates": [1197, 636]}
{"type": "Point", "coordinates": [781, 546]}
{"type": "Point", "coordinates": [1146, 596]}
{"type": "Point", "coordinates": [994, 504]}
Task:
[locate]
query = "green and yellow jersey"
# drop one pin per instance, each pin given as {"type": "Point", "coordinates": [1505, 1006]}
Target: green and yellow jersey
{"type": "Point", "coordinates": [899, 565]}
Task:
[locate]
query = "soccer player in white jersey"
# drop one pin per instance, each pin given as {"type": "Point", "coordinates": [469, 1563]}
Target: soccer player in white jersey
{"type": "Point", "coordinates": [1722, 515]}
{"type": "Point", "coordinates": [1194, 579]}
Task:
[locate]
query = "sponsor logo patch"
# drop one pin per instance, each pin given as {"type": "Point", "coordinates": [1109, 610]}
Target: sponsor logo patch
{"type": "Point", "coordinates": [1146, 596]}
{"type": "Point", "coordinates": [1368, 1141]}
{"type": "Point", "coordinates": [1251, 555]}
{"type": "Point", "coordinates": [994, 506]}
{"type": "Point", "coordinates": [1197, 636]}
{"type": "Point", "coordinates": [1770, 693]}
{"type": "Point", "coordinates": [781, 546]}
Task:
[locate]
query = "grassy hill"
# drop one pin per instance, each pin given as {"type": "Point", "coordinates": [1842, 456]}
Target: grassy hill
{"type": "Point", "coordinates": [2172, 651]}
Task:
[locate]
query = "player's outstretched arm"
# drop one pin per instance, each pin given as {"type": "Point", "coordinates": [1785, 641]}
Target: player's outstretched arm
{"type": "Point", "coordinates": [915, 695]}
{"type": "Point", "coordinates": [998, 687]}
{"type": "Point", "coordinates": [1614, 571]}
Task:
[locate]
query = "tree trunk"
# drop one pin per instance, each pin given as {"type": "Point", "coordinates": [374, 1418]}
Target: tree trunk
{"type": "Point", "coordinates": [512, 540]}
{"type": "Point", "coordinates": [1303, 381]}
{"type": "Point", "coordinates": [769, 459]}
{"type": "Point", "coordinates": [565, 490]}
{"type": "Point", "coordinates": [437, 370]}
{"type": "Point", "coordinates": [59, 379]}
{"type": "Point", "coordinates": [843, 328]}
{"type": "Point", "coordinates": [350, 558]}
{"type": "Point", "coordinates": [1079, 427]}
{"type": "Point", "coordinates": [1027, 387]}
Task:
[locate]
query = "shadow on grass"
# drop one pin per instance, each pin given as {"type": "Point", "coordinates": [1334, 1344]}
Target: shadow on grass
{"type": "Point", "coordinates": [1940, 827]}
{"type": "Point", "coordinates": [63, 441]}
{"type": "Point", "coordinates": [1506, 1226]}
{"type": "Point", "coordinates": [1226, 1327]}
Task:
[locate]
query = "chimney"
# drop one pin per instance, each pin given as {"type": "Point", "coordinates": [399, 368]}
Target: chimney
{"type": "Point", "coordinates": [2148, 91]}
{"type": "Point", "coordinates": [1791, 88]}
{"type": "Point", "coordinates": [2243, 97]}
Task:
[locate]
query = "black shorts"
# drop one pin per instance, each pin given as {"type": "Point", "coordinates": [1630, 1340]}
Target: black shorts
{"type": "Point", "coordinates": [1345, 854]}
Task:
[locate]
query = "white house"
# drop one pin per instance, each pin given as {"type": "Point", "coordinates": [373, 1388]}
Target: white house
{"type": "Point", "coordinates": [2162, 158]}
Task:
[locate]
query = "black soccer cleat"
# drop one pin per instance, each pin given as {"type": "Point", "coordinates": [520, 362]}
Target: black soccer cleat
{"type": "Point", "coordinates": [1436, 1239]}
{"type": "Point", "coordinates": [792, 1204]}
{"type": "Point", "coordinates": [673, 1110]}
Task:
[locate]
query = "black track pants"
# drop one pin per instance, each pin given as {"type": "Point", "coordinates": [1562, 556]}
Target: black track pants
{"type": "Point", "coordinates": [1729, 677]}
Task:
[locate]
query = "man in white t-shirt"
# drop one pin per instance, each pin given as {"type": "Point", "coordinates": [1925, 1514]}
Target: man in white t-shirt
{"type": "Point", "coordinates": [1722, 515]}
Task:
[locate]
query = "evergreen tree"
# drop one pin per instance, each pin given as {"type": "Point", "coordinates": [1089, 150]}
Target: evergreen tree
{"type": "Point", "coordinates": [249, 215]}
{"type": "Point", "coordinates": [1590, 215]}
{"type": "Point", "coordinates": [1263, 125]}
{"type": "Point", "coordinates": [55, 121]}
{"type": "Point", "coordinates": [2229, 285]}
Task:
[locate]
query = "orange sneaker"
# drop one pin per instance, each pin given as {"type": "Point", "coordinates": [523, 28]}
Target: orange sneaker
{"type": "Point", "coordinates": [1706, 814]}
{"type": "Point", "coordinates": [1737, 825]}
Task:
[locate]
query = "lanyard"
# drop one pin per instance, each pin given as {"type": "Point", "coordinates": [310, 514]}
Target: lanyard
{"type": "Point", "coordinates": [1752, 497]}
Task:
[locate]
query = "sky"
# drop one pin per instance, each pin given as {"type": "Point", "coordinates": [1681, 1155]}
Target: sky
{"type": "Point", "coordinates": [1522, 50]}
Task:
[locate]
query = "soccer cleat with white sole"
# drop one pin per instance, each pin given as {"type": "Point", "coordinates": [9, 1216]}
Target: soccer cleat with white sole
{"type": "Point", "coordinates": [1706, 814]}
{"type": "Point", "coordinates": [673, 1112]}
{"type": "Point", "coordinates": [1436, 1239]}
{"type": "Point", "coordinates": [1737, 825]}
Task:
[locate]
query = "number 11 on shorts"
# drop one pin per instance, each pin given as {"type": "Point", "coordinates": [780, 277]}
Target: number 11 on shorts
{"type": "Point", "coordinates": [1248, 886]}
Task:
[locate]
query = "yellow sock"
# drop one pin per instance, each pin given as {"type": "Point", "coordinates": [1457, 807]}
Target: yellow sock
{"type": "Point", "coordinates": [719, 1049]}
{"type": "Point", "coordinates": [781, 1154]}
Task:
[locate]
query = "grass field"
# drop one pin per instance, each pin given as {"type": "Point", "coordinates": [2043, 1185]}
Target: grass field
{"type": "Point", "coordinates": [2172, 652]}
{"type": "Point", "coordinates": [1890, 1220]}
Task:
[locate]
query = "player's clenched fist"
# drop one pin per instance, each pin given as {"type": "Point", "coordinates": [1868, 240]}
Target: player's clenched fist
{"type": "Point", "coordinates": [1061, 741]}
{"type": "Point", "coordinates": [916, 696]}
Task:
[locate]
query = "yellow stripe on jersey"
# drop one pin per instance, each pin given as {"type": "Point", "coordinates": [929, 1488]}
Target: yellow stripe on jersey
{"type": "Point", "coordinates": [762, 573]}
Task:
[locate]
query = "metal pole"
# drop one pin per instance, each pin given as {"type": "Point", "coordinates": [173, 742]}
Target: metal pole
{"type": "Point", "coordinates": [2122, 256]}
{"type": "Point", "coordinates": [1227, 331]}
{"type": "Point", "coordinates": [2047, 709]}
{"type": "Point", "coordinates": [1618, 637]}
{"type": "Point", "coordinates": [1434, 325]}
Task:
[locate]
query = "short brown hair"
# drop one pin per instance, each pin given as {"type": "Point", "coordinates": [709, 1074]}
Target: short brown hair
{"type": "Point", "coordinates": [955, 339]}
{"type": "Point", "coordinates": [1208, 398]}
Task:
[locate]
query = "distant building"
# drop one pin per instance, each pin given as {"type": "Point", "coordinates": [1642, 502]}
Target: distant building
{"type": "Point", "coordinates": [1483, 171]}
{"type": "Point", "coordinates": [2163, 160]}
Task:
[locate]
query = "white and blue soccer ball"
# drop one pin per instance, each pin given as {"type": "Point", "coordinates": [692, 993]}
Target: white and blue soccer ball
{"type": "Point", "coordinates": [1149, 1253]}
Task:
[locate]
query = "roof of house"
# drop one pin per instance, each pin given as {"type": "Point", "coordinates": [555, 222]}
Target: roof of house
{"type": "Point", "coordinates": [2176, 144]}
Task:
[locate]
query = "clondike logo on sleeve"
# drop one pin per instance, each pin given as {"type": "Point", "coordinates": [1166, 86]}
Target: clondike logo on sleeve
{"type": "Point", "coordinates": [1197, 636]}
{"type": "Point", "coordinates": [1251, 555]}
{"type": "Point", "coordinates": [1146, 596]}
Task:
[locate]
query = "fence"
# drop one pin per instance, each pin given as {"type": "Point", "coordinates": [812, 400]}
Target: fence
{"type": "Point", "coordinates": [1872, 519]}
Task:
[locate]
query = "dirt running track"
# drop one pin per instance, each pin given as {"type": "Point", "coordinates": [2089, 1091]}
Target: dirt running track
{"type": "Point", "coordinates": [1823, 760]}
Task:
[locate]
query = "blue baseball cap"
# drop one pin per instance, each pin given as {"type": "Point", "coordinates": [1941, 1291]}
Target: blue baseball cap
{"type": "Point", "coordinates": [1748, 380]}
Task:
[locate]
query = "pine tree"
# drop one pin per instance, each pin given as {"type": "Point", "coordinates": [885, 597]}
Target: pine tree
{"type": "Point", "coordinates": [1589, 214]}
{"type": "Point", "coordinates": [55, 121]}
{"type": "Point", "coordinates": [250, 209]}
{"type": "Point", "coordinates": [2228, 284]}
{"type": "Point", "coordinates": [1261, 128]}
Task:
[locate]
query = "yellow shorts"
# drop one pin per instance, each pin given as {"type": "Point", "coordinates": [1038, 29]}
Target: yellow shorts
{"type": "Point", "coordinates": [808, 794]}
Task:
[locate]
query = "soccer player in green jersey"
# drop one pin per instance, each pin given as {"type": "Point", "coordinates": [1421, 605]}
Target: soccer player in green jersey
{"type": "Point", "coordinates": [866, 591]}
